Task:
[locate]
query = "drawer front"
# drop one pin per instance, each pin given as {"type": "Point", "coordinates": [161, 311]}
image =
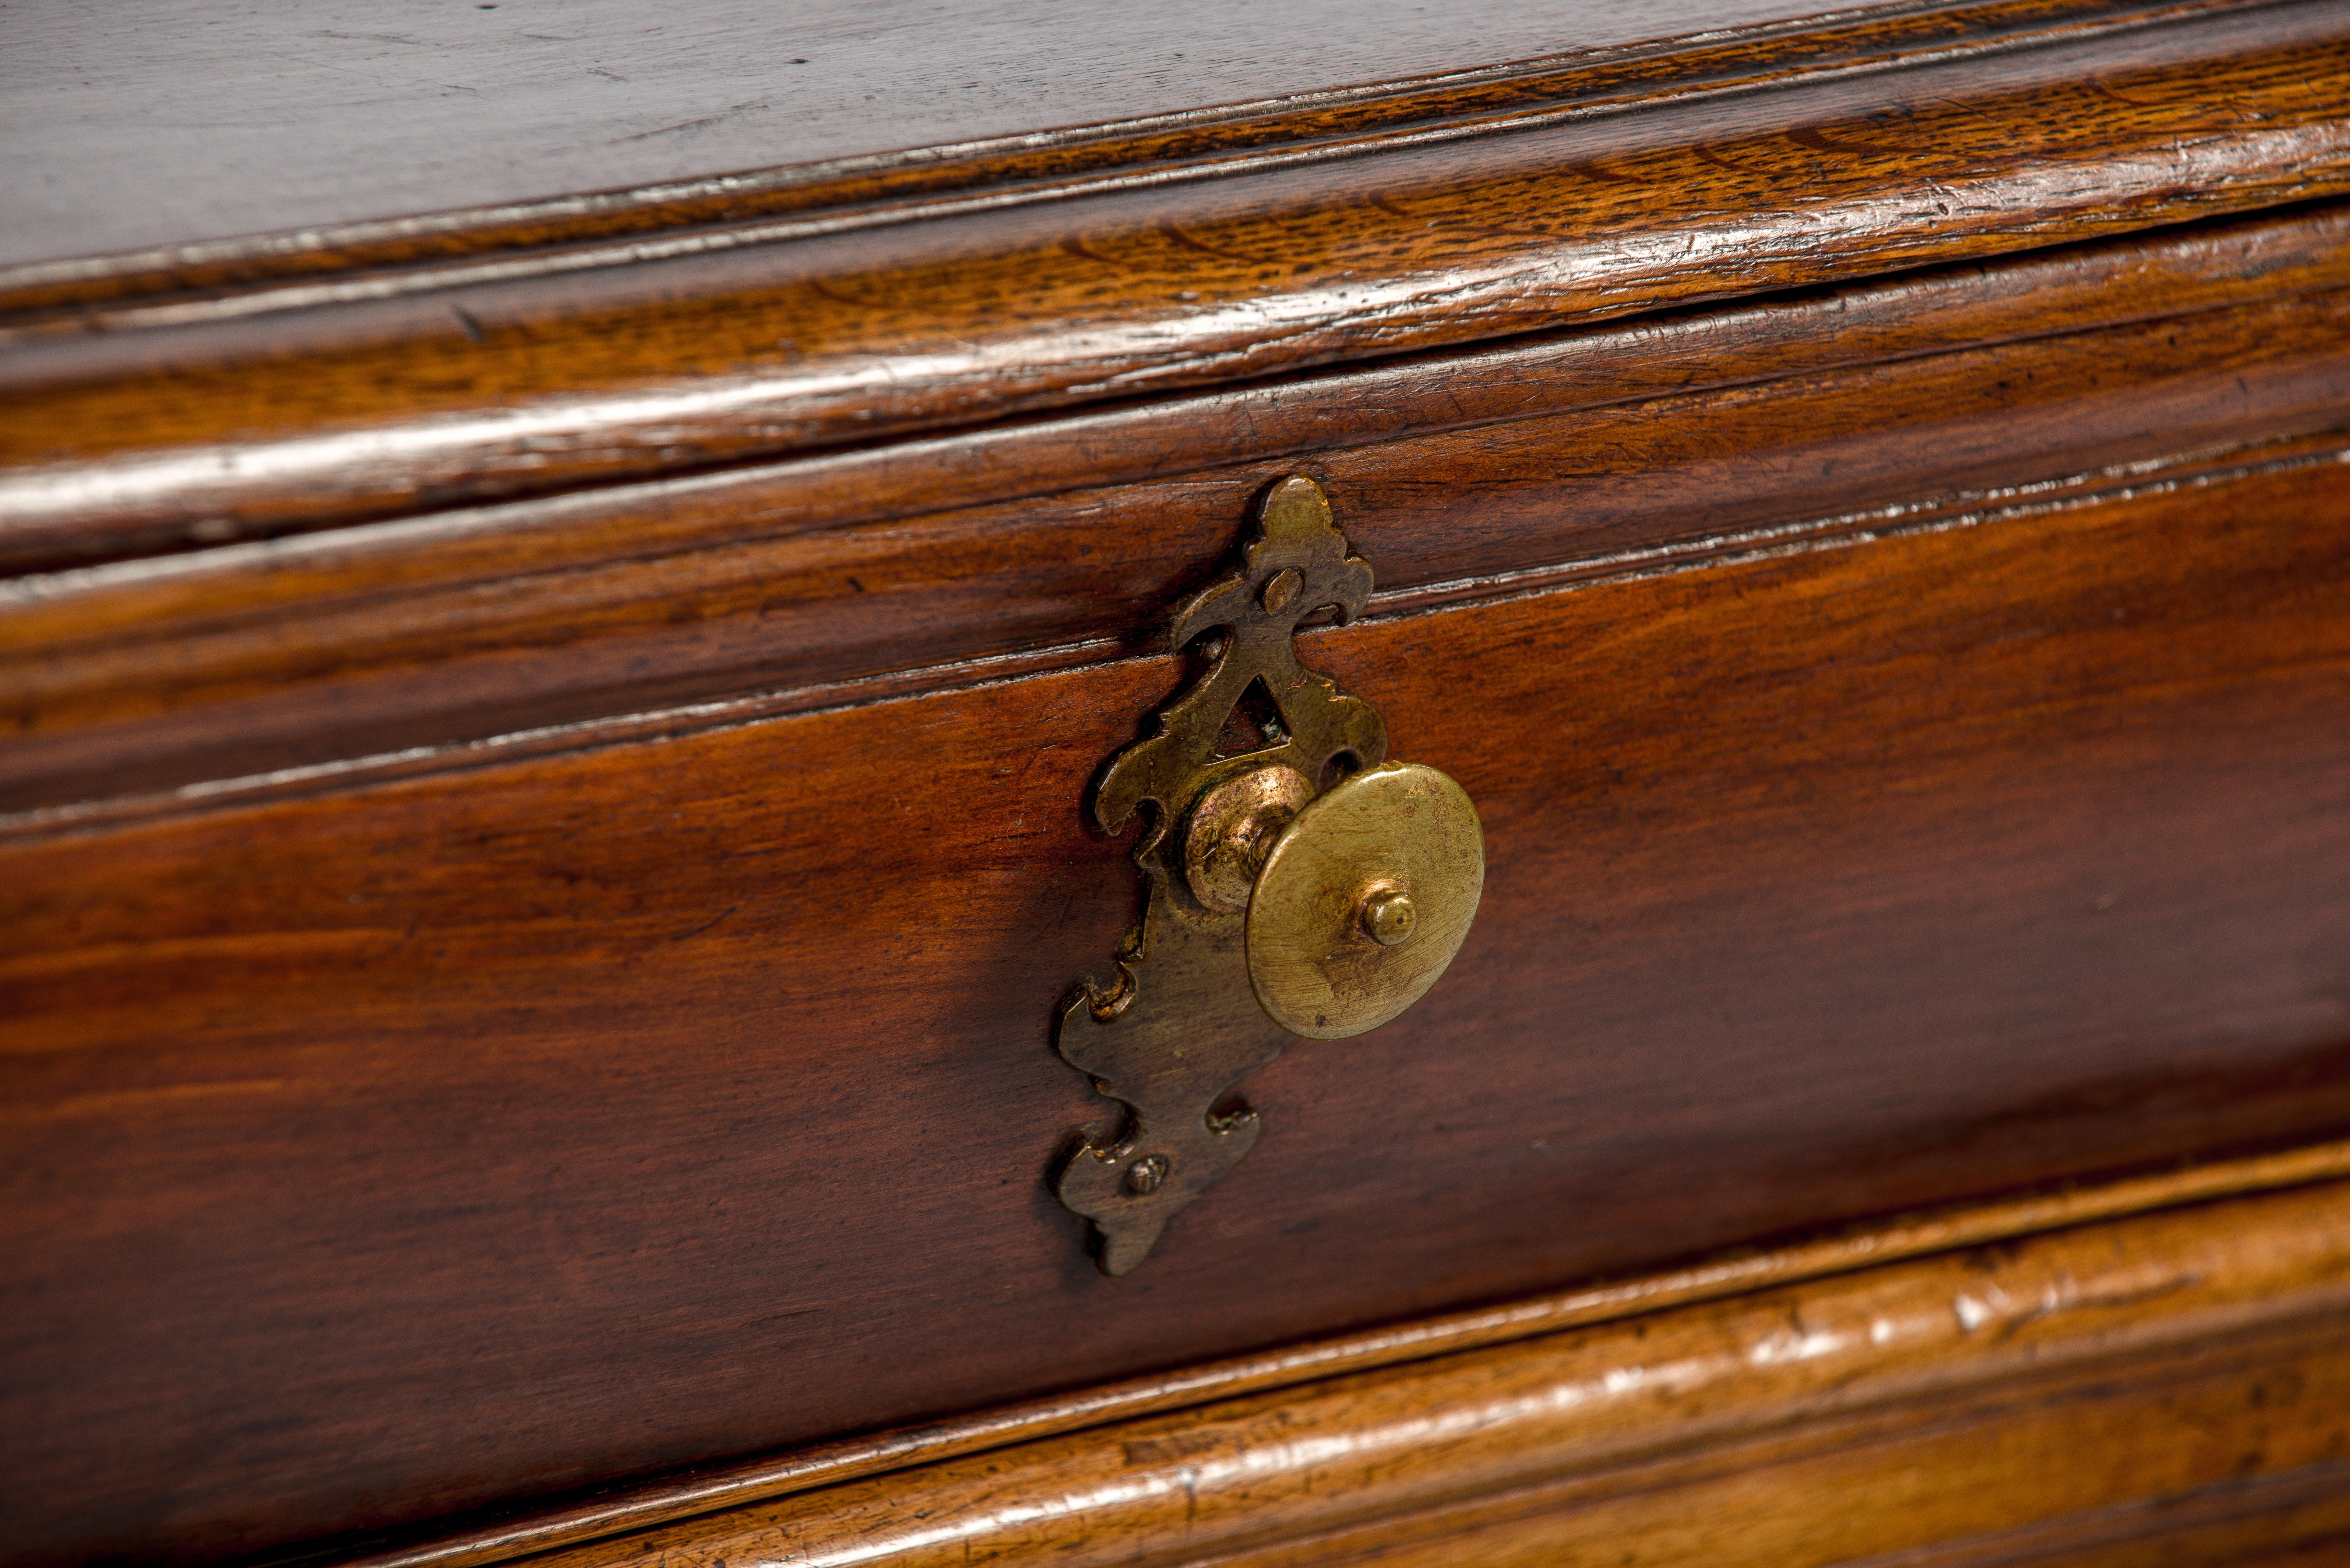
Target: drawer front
{"type": "Point", "coordinates": [644, 1101]}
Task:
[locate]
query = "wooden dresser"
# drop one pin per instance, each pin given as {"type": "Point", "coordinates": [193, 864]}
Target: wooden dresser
{"type": "Point", "coordinates": [662, 846]}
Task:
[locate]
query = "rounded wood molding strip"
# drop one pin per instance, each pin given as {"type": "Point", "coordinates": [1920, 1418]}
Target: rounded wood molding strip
{"type": "Point", "coordinates": [2125, 1368]}
{"type": "Point", "coordinates": [2260, 262]}
{"type": "Point", "coordinates": [151, 430]}
{"type": "Point", "coordinates": [2136, 1275]}
{"type": "Point", "coordinates": [838, 579]}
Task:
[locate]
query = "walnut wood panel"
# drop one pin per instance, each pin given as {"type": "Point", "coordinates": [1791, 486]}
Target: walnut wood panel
{"type": "Point", "coordinates": [190, 422]}
{"type": "Point", "coordinates": [649, 1104]}
{"type": "Point", "coordinates": [2184, 1374]}
{"type": "Point", "coordinates": [152, 676]}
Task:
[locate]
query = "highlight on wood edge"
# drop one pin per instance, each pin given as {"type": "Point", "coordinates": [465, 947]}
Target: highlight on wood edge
{"type": "Point", "coordinates": [1904, 1344]}
{"type": "Point", "coordinates": [1910, 1238]}
{"type": "Point", "coordinates": [745, 205]}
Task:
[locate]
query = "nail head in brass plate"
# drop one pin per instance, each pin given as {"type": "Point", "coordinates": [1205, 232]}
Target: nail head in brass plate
{"type": "Point", "coordinates": [1365, 900]}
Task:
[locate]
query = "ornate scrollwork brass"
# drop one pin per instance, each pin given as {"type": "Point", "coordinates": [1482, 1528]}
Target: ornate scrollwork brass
{"type": "Point", "coordinates": [1370, 906]}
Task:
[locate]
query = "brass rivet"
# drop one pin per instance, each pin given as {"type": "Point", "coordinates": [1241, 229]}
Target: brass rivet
{"type": "Point", "coordinates": [1143, 1176]}
{"type": "Point", "coordinates": [1282, 589]}
{"type": "Point", "coordinates": [1389, 916]}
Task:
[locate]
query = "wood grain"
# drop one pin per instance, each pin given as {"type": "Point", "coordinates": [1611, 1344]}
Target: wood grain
{"type": "Point", "coordinates": [175, 116]}
{"type": "Point", "coordinates": [1037, 541]}
{"type": "Point", "coordinates": [616, 1511]}
{"type": "Point", "coordinates": [543, 836]}
{"type": "Point", "coordinates": [681, 216]}
{"type": "Point", "coordinates": [583, 1103]}
{"type": "Point", "coordinates": [178, 424]}
{"type": "Point", "coordinates": [2107, 1384]}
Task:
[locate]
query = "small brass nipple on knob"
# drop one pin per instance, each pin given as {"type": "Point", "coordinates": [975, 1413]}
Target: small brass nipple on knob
{"type": "Point", "coordinates": [1389, 916]}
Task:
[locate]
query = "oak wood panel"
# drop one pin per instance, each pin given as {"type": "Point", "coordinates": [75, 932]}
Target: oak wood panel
{"type": "Point", "coordinates": [2105, 1384]}
{"type": "Point", "coordinates": [149, 677]}
{"type": "Point", "coordinates": [586, 1106]}
{"type": "Point", "coordinates": [183, 425]}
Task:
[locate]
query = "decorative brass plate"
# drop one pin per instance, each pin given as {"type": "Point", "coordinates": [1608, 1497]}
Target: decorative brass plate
{"type": "Point", "coordinates": [1296, 884]}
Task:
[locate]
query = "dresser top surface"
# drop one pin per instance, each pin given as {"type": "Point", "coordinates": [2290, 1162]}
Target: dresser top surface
{"type": "Point", "coordinates": [168, 121]}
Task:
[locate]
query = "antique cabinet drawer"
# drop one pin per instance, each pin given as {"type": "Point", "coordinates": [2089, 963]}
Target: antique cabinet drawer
{"type": "Point", "coordinates": [1834, 871]}
{"type": "Point", "coordinates": [536, 970]}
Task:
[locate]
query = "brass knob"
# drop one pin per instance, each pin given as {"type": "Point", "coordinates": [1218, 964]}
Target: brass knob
{"type": "Point", "coordinates": [1363, 899]}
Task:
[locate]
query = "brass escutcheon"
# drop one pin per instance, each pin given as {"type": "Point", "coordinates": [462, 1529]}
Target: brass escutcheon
{"type": "Point", "coordinates": [1298, 884]}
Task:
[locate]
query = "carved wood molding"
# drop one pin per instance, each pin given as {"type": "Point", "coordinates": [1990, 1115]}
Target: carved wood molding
{"type": "Point", "coordinates": [1949, 1403]}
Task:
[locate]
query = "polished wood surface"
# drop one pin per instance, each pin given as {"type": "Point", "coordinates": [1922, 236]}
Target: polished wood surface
{"type": "Point", "coordinates": [165, 424]}
{"type": "Point", "coordinates": [1840, 876]}
{"type": "Point", "coordinates": [543, 829]}
{"type": "Point", "coordinates": [887, 570]}
{"type": "Point", "coordinates": [170, 122]}
{"type": "Point", "coordinates": [2101, 1388]}
{"type": "Point", "coordinates": [663, 218]}
{"type": "Point", "coordinates": [713, 1489]}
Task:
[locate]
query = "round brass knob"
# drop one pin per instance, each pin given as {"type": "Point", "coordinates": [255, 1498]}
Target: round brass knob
{"type": "Point", "coordinates": [1364, 900]}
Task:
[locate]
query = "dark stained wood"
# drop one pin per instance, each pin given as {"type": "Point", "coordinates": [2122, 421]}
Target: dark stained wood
{"type": "Point", "coordinates": [542, 837]}
{"type": "Point", "coordinates": [618, 1511]}
{"type": "Point", "coordinates": [655, 1103]}
{"type": "Point", "coordinates": [2180, 1376]}
{"type": "Point", "coordinates": [689, 212]}
{"type": "Point", "coordinates": [1037, 543]}
{"type": "Point", "coordinates": [177, 424]}
{"type": "Point", "coordinates": [167, 121]}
